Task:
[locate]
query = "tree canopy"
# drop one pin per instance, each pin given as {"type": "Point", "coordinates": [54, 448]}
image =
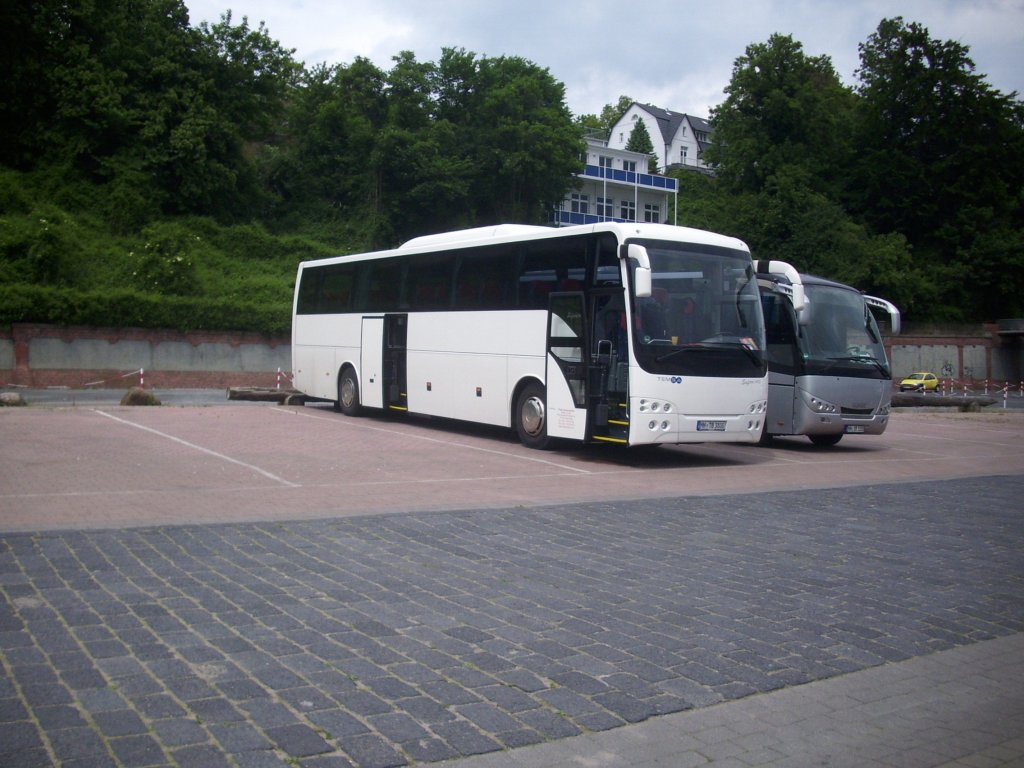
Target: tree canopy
{"type": "Point", "coordinates": [128, 136]}
{"type": "Point", "coordinates": [909, 185]}
{"type": "Point", "coordinates": [171, 119]}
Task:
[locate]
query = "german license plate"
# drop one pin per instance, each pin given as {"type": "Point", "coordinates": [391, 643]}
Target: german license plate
{"type": "Point", "coordinates": [710, 426]}
{"type": "Point", "coordinates": [854, 429]}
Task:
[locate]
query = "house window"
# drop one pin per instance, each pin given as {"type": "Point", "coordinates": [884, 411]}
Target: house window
{"type": "Point", "coordinates": [604, 207]}
{"type": "Point", "coordinates": [652, 212]}
{"type": "Point", "coordinates": [604, 162]}
{"type": "Point", "coordinates": [628, 210]}
{"type": "Point", "coordinates": [580, 203]}
{"type": "Point", "coordinates": [629, 166]}
{"type": "Point", "coordinates": [682, 155]}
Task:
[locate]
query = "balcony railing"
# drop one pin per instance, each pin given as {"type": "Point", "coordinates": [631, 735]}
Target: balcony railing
{"type": "Point", "coordinates": [564, 218]}
{"type": "Point", "coordinates": [648, 180]}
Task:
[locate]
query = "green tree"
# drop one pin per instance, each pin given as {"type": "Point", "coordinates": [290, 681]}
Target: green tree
{"type": "Point", "coordinates": [333, 124]}
{"type": "Point", "coordinates": [640, 141]}
{"type": "Point", "coordinates": [783, 109]}
{"type": "Point", "coordinates": [782, 152]}
{"type": "Point", "coordinates": [128, 96]}
{"type": "Point", "coordinates": [609, 116]}
{"type": "Point", "coordinates": [510, 118]}
{"type": "Point", "coordinates": [941, 161]}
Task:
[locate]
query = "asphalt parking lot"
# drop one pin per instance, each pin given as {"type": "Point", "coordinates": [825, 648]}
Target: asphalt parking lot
{"type": "Point", "coordinates": [285, 586]}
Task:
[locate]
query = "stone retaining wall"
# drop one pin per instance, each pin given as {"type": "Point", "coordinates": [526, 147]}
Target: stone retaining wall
{"type": "Point", "coordinates": [48, 356]}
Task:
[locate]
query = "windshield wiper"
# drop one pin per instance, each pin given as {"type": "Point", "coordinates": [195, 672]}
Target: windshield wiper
{"type": "Point", "coordinates": [709, 346]}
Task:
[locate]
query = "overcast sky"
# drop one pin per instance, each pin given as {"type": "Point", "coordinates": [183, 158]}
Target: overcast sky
{"type": "Point", "coordinates": [676, 54]}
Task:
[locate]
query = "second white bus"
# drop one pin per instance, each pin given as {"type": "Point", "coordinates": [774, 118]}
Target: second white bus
{"type": "Point", "coordinates": [632, 334]}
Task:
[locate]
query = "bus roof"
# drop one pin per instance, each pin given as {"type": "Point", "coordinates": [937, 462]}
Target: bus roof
{"type": "Point", "coordinates": [515, 232]}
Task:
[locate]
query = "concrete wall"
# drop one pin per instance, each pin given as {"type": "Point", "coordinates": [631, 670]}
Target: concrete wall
{"type": "Point", "coordinates": [46, 356]}
{"type": "Point", "coordinates": [965, 356]}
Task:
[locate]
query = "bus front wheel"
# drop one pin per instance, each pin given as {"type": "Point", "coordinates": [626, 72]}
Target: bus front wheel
{"type": "Point", "coordinates": [531, 417]}
{"type": "Point", "coordinates": [348, 393]}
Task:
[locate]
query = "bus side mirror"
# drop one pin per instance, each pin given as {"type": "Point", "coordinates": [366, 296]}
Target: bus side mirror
{"type": "Point", "coordinates": [642, 273]}
{"type": "Point", "coordinates": [888, 306]}
{"type": "Point", "coordinates": [795, 290]}
{"type": "Point", "coordinates": [803, 315]}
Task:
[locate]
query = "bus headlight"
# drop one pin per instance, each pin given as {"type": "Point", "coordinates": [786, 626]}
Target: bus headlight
{"type": "Point", "coordinates": [653, 406]}
{"type": "Point", "coordinates": [821, 406]}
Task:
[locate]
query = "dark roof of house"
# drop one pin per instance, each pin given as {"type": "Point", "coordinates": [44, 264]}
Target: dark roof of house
{"type": "Point", "coordinates": [669, 122]}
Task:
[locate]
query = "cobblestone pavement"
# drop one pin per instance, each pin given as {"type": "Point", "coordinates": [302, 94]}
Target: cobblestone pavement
{"type": "Point", "coordinates": [416, 638]}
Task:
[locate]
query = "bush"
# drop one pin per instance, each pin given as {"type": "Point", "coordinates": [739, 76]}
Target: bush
{"type": "Point", "coordinates": [126, 308]}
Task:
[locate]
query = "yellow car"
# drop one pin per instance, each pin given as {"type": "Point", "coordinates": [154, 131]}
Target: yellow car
{"type": "Point", "coordinates": [922, 381]}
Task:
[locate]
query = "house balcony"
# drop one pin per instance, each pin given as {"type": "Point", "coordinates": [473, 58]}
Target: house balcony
{"type": "Point", "coordinates": [632, 178]}
{"type": "Point", "coordinates": [569, 218]}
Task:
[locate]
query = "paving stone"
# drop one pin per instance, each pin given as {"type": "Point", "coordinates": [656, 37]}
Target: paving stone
{"type": "Point", "coordinates": [122, 722]}
{"type": "Point", "coordinates": [298, 740]}
{"type": "Point", "coordinates": [370, 751]}
{"type": "Point", "coordinates": [176, 732]}
{"type": "Point", "coordinates": [239, 737]}
{"type": "Point", "coordinates": [201, 756]}
{"type": "Point", "coordinates": [138, 751]}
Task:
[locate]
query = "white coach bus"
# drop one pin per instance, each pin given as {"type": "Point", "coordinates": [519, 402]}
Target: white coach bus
{"type": "Point", "coordinates": [827, 368]}
{"type": "Point", "coordinates": [624, 333]}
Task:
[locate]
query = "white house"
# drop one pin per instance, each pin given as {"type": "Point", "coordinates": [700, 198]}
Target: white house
{"type": "Point", "coordinates": [614, 186]}
{"type": "Point", "coordinates": [679, 139]}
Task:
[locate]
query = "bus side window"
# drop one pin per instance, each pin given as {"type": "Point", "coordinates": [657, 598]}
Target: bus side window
{"type": "Point", "coordinates": [779, 330]}
{"type": "Point", "coordinates": [483, 278]}
{"type": "Point", "coordinates": [309, 290]}
{"type": "Point", "coordinates": [610, 322]}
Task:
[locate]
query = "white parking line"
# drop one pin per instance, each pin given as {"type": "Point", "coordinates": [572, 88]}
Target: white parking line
{"type": "Point", "coordinates": [186, 443]}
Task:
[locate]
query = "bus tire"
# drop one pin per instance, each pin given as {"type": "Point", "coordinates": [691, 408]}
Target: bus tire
{"type": "Point", "coordinates": [825, 441]}
{"type": "Point", "coordinates": [531, 417]}
{"type": "Point", "coordinates": [348, 393]}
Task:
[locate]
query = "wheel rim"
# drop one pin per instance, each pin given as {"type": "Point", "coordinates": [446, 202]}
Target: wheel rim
{"type": "Point", "coordinates": [348, 392]}
{"type": "Point", "coordinates": [532, 416]}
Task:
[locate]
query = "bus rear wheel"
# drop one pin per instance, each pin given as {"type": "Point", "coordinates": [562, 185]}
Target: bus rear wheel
{"type": "Point", "coordinates": [348, 393]}
{"type": "Point", "coordinates": [531, 417]}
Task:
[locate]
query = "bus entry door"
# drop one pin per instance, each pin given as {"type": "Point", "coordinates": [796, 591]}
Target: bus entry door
{"type": "Point", "coordinates": [382, 362]}
{"type": "Point", "coordinates": [371, 363]}
{"type": "Point", "coordinates": [566, 367]}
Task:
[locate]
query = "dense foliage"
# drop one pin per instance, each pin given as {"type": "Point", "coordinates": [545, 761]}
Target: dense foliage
{"type": "Point", "coordinates": [156, 173]}
{"type": "Point", "coordinates": [142, 157]}
{"type": "Point", "coordinates": [911, 185]}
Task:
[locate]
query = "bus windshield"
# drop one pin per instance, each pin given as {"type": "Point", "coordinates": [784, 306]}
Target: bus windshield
{"type": "Point", "coordinates": [703, 317]}
{"type": "Point", "coordinates": [842, 336]}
